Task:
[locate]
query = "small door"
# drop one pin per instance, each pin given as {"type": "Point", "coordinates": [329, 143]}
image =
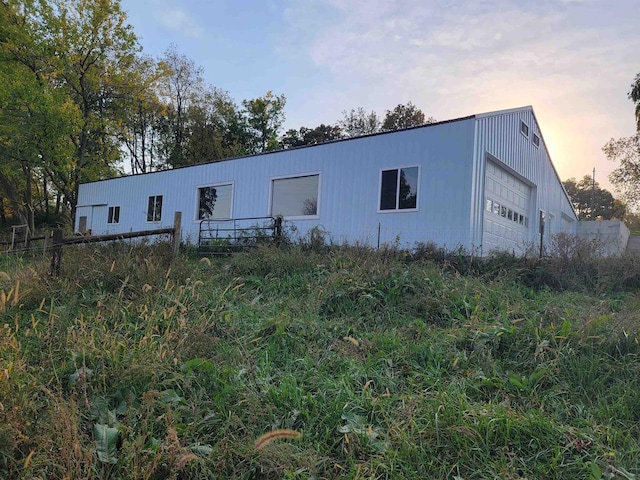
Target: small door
{"type": "Point", "coordinates": [82, 224]}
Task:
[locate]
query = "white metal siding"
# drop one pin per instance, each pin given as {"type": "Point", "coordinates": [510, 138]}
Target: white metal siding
{"type": "Point", "coordinates": [498, 135]}
{"type": "Point", "coordinates": [349, 188]}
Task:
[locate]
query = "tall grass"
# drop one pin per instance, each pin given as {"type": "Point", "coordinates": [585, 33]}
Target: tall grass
{"type": "Point", "coordinates": [306, 362]}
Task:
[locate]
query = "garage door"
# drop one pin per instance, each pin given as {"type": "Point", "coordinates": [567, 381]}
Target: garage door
{"type": "Point", "coordinates": [506, 212]}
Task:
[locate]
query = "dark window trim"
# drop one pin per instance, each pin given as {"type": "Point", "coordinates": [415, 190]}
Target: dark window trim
{"type": "Point", "coordinates": [397, 207]}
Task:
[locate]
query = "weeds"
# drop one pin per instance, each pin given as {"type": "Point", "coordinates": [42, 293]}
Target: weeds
{"type": "Point", "coordinates": [356, 364]}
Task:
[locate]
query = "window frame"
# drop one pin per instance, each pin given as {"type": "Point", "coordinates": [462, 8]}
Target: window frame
{"type": "Point", "coordinates": [524, 124]}
{"type": "Point", "coordinates": [197, 201]}
{"type": "Point", "coordinates": [397, 208]}
{"type": "Point", "coordinates": [535, 137]}
{"type": "Point", "coordinates": [273, 179]}
{"type": "Point", "coordinates": [113, 214]}
{"type": "Point", "coordinates": [153, 220]}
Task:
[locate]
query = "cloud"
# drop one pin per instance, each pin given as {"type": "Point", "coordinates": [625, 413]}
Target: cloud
{"type": "Point", "coordinates": [570, 59]}
{"type": "Point", "coordinates": [178, 19]}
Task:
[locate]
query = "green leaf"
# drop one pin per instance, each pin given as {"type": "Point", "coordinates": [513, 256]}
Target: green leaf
{"type": "Point", "coordinates": [106, 439]}
{"type": "Point", "coordinates": [202, 450]}
{"type": "Point", "coordinates": [171, 396]}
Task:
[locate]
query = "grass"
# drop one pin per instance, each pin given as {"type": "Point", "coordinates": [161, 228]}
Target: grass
{"type": "Point", "coordinates": [308, 362]}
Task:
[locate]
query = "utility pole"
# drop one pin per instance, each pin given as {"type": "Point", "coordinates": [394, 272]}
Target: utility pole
{"type": "Point", "coordinates": [593, 195]}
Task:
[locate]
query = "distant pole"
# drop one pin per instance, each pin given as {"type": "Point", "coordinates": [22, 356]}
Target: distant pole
{"type": "Point", "coordinates": [593, 194]}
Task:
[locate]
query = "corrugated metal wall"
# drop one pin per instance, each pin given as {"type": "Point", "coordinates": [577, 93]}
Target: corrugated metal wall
{"type": "Point", "coordinates": [349, 188]}
{"type": "Point", "coordinates": [451, 156]}
{"type": "Point", "coordinates": [499, 136]}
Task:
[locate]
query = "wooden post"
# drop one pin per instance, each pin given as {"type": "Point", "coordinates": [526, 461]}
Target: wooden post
{"type": "Point", "coordinates": [277, 228]}
{"type": "Point", "coordinates": [56, 255]}
{"type": "Point", "coordinates": [175, 240]}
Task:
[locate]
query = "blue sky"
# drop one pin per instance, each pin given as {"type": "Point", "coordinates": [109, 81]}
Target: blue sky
{"type": "Point", "coordinates": [573, 60]}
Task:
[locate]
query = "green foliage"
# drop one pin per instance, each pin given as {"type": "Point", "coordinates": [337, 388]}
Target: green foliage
{"type": "Point", "coordinates": [310, 136]}
{"type": "Point", "coordinates": [590, 201]}
{"type": "Point", "coordinates": [625, 151]}
{"type": "Point", "coordinates": [358, 122]}
{"type": "Point", "coordinates": [265, 116]}
{"type": "Point", "coordinates": [389, 364]}
{"type": "Point", "coordinates": [404, 116]}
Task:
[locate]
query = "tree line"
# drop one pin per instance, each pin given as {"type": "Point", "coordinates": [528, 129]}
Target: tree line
{"type": "Point", "coordinates": [79, 100]}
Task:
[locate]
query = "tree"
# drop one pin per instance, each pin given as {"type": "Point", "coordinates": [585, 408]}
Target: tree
{"type": "Point", "coordinates": [356, 123]}
{"type": "Point", "coordinates": [634, 95]}
{"type": "Point", "coordinates": [265, 116]}
{"type": "Point", "coordinates": [404, 116]}
{"type": "Point", "coordinates": [310, 136]}
{"type": "Point", "coordinates": [95, 55]}
{"type": "Point", "coordinates": [626, 178]}
{"type": "Point", "coordinates": [139, 133]}
{"type": "Point", "coordinates": [216, 129]}
{"type": "Point", "coordinates": [626, 151]}
{"type": "Point", "coordinates": [36, 118]}
{"type": "Point", "coordinates": [590, 201]}
{"type": "Point", "coordinates": [181, 88]}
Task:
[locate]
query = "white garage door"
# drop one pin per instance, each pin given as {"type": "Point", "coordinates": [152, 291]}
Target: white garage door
{"type": "Point", "coordinates": [506, 212]}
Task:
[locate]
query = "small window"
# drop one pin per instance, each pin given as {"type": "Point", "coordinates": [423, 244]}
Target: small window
{"type": "Point", "coordinates": [214, 202]}
{"type": "Point", "coordinates": [524, 129]}
{"type": "Point", "coordinates": [520, 219]}
{"type": "Point", "coordinates": [295, 196]}
{"type": "Point", "coordinates": [510, 214]}
{"type": "Point", "coordinates": [488, 205]}
{"type": "Point", "coordinates": [535, 139]}
{"type": "Point", "coordinates": [154, 209]}
{"type": "Point", "coordinates": [496, 208]}
{"type": "Point", "coordinates": [114, 215]}
{"type": "Point", "coordinates": [503, 211]}
{"type": "Point", "coordinates": [399, 189]}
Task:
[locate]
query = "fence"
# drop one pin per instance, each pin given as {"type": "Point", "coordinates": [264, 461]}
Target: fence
{"type": "Point", "coordinates": [59, 241]}
{"type": "Point", "coordinates": [222, 237]}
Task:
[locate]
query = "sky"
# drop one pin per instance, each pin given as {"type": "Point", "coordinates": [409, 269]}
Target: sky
{"type": "Point", "coordinates": [573, 60]}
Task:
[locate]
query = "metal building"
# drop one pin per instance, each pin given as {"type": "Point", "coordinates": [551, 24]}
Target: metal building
{"type": "Point", "coordinates": [483, 182]}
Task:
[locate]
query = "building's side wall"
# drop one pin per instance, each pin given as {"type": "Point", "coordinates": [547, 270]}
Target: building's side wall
{"type": "Point", "coordinates": [499, 138]}
{"type": "Point", "coordinates": [349, 195]}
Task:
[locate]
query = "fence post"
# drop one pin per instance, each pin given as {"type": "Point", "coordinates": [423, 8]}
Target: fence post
{"type": "Point", "coordinates": [56, 253]}
{"type": "Point", "coordinates": [175, 240]}
{"type": "Point", "coordinates": [277, 227]}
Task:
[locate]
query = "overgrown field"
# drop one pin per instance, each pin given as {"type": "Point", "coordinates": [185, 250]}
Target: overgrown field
{"type": "Point", "coordinates": [363, 364]}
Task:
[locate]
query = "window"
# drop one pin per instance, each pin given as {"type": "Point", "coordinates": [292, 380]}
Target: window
{"type": "Point", "coordinates": [535, 139]}
{"type": "Point", "coordinates": [214, 202]}
{"type": "Point", "coordinates": [524, 129]}
{"type": "Point", "coordinates": [399, 189]}
{"type": "Point", "coordinates": [114, 215]}
{"type": "Point", "coordinates": [488, 205]}
{"type": "Point", "coordinates": [295, 196]}
{"type": "Point", "coordinates": [154, 209]}
{"type": "Point", "coordinates": [496, 208]}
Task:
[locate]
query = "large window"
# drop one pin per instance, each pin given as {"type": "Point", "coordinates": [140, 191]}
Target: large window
{"type": "Point", "coordinates": [295, 196]}
{"type": "Point", "coordinates": [114, 215]}
{"type": "Point", "coordinates": [154, 209]}
{"type": "Point", "coordinates": [399, 189]}
{"type": "Point", "coordinates": [214, 202]}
